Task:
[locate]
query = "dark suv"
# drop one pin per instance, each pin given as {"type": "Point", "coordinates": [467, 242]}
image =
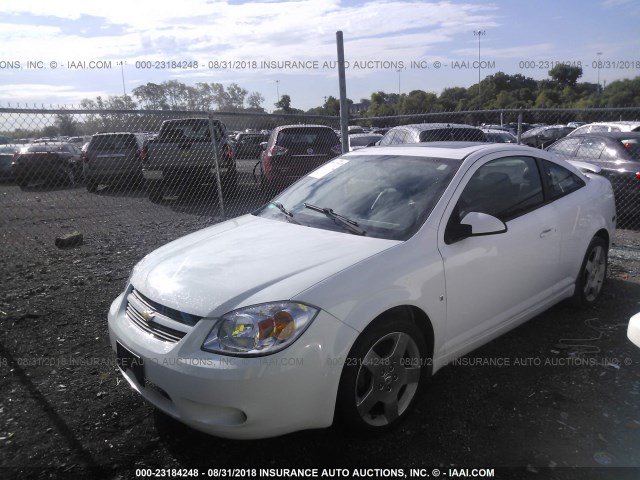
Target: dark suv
{"type": "Point", "coordinates": [248, 145]}
{"type": "Point", "coordinates": [294, 150]}
{"type": "Point", "coordinates": [114, 158]}
{"type": "Point", "coordinates": [432, 132]}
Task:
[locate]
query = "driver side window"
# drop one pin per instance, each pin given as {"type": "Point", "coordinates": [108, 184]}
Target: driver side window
{"type": "Point", "coordinates": [505, 188]}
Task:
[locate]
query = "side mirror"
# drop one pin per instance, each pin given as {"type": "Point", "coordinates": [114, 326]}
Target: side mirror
{"type": "Point", "coordinates": [483, 224]}
{"type": "Point", "coordinates": [263, 145]}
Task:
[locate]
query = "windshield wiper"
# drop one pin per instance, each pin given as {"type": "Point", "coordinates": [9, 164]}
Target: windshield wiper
{"type": "Point", "coordinates": [283, 209]}
{"type": "Point", "coordinates": [351, 225]}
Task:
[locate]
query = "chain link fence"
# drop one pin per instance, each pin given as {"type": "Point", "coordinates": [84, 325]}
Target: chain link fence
{"type": "Point", "coordinates": [125, 168]}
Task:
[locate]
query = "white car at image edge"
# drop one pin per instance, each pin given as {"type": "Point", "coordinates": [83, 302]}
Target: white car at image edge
{"type": "Point", "coordinates": [337, 299]}
{"type": "Point", "coordinates": [633, 330]}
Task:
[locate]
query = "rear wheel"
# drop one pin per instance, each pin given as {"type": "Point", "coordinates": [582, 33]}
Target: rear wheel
{"type": "Point", "coordinates": [70, 177]}
{"type": "Point", "coordinates": [230, 186]}
{"type": "Point", "coordinates": [592, 274]}
{"type": "Point", "coordinates": [155, 192]}
{"type": "Point", "coordinates": [381, 379]}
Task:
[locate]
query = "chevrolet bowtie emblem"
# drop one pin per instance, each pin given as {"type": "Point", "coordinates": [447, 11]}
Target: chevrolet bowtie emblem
{"type": "Point", "coordinates": [148, 315]}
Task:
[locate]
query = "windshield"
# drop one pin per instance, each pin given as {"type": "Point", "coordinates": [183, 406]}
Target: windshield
{"type": "Point", "coordinates": [113, 142]}
{"type": "Point", "coordinates": [305, 137]}
{"type": "Point", "coordinates": [387, 196]}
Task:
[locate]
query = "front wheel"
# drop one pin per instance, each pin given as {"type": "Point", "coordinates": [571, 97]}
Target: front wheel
{"type": "Point", "coordinates": [592, 274]}
{"type": "Point", "coordinates": [381, 379]}
{"type": "Point", "coordinates": [92, 185]}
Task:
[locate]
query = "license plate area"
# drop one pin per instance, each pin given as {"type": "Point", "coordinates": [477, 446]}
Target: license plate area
{"type": "Point", "coordinates": [127, 360]}
{"type": "Point", "coordinates": [152, 174]}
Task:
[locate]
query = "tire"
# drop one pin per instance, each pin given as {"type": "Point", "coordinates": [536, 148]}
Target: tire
{"type": "Point", "coordinates": [92, 185]}
{"type": "Point", "coordinates": [593, 273]}
{"type": "Point", "coordinates": [379, 383]}
{"type": "Point", "coordinates": [156, 193]}
{"type": "Point", "coordinates": [70, 177]}
{"type": "Point", "coordinates": [22, 182]}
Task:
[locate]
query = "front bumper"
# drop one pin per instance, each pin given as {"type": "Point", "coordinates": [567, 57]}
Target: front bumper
{"type": "Point", "coordinates": [633, 331]}
{"type": "Point", "coordinates": [237, 397]}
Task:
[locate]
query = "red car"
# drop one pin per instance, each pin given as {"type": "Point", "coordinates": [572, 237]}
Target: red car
{"type": "Point", "coordinates": [294, 150]}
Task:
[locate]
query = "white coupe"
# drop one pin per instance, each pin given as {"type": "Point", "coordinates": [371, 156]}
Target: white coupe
{"type": "Point", "coordinates": [337, 299]}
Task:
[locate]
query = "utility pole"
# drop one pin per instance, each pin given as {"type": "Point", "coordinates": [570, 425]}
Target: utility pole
{"type": "Point", "coordinates": [599, 54]}
{"type": "Point", "coordinates": [124, 90]}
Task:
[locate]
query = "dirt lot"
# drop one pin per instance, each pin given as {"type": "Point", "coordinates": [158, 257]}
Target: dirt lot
{"type": "Point", "coordinates": [561, 391]}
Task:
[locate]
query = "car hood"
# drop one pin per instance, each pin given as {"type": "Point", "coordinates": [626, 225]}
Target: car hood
{"type": "Point", "coordinates": [246, 261]}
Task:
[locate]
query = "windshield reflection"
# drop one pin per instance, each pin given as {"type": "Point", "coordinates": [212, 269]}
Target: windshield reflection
{"type": "Point", "coordinates": [389, 196]}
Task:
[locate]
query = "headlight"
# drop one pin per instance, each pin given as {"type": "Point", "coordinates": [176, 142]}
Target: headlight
{"type": "Point", "coordinates": [260, 329]}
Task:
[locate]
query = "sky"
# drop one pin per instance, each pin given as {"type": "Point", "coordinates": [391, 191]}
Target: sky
{"type": "Point", "coordinates": [58, 53]}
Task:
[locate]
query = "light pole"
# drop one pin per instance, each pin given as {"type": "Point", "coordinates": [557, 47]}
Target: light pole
{"type": "Point", "coordinates": [599, 54]}
{"type": "Point", "coordinates": [399, 72]}
{"type": "Point", "coordinates": [277, 90]}
{"type": "Point", "coordinates": [122, 72]}
{"type": "Point", "coordinates": [479, 34]}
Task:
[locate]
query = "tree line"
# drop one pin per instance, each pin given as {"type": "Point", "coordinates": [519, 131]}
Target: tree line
{"type": "Point", "coordinates": [498, 91]}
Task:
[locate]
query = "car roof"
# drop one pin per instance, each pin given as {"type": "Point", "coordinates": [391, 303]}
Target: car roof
{"type": "Point", "coordinates": [614, 135]}
{"type": "Point", "coordinates": [420, 127]}
{"type": "Point", "coordinates": [449, 150]}
{"type": "Point", "coordinates": [357, 135]}
{"type": "Point", "coordinates": [631, 124]}
{"type": "Point", "coordinates": [495, 130]}
{"type": "Point", "coordinates": [116, 133]}
{"type": "Point", "coordinates": [305, 125]}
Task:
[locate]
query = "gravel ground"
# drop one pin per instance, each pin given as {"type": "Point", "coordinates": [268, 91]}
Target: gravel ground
{"type": "Point", "coordinates": [524, 400]}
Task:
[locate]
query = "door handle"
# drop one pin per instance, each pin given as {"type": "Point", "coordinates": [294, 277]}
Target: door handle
{"type": "Point", "coordinates": [546, 232]}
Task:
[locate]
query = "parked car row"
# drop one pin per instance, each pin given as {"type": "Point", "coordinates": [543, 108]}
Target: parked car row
{"type": "Point", "coordinates": [181, 155]}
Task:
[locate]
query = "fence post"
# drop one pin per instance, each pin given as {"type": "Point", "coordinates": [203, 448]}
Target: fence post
{"type": "Point", "coordinates": [519, 125]}
{"type": "Point", "coordinates": [344, 114]}
{"type": "Point", "coordinates": [216, 150]}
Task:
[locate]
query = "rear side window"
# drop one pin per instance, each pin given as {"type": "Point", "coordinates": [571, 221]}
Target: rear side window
{"type": "Point", "coordinates": [396, 136]}
{"type": "Point", "coordinates": [560, 181]}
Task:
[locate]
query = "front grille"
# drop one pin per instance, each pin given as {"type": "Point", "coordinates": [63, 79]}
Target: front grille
{"type": "Point", "coordinates": [140, 308]}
